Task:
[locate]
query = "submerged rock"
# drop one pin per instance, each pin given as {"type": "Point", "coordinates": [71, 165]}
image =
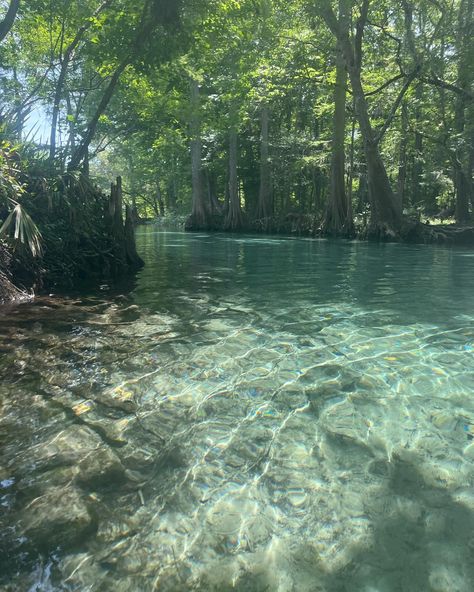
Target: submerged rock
{"type": "Point", "coordinates": [77, 453]}
{"type": "Point", "coordinates": [112, 431]}
{"type": "Point", "coordinates": [58, 518]}
{"type": "Point", "coordinates": [101, 468]}
{"type": "Point", "coordinates": [115, 529]}
{"type": "Point", "coordinates": [343, 420]}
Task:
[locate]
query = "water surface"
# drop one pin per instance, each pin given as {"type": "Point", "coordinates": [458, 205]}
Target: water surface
{"type": "Point", "coordinates": [255, 414]}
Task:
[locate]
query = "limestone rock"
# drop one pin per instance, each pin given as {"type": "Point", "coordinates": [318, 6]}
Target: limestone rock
{"type": "Point", "coordinates": [100, 468]}
{"type": "Point", "coordinates": [75, 453]}
{"type": "Point", "coordinates": [58, 518]}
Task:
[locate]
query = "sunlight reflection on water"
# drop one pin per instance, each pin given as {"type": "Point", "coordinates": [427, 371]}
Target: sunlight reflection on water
{"type": "Point", "coordinates": [271, 414]}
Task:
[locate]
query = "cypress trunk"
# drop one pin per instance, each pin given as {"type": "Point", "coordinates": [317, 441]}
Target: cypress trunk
{"type": "Point", "coordinates": [234, 215]}
{"type": "Point", "coordinates": [402, 163]}
{"type": "Point", "coordinates": [386, 216]}
{"type": "Point", "coordinates": [462, 157]}
{"type": "Point", "coordinates": [264, 209]}
{"type": "Point", "coordinates": [7, 23]}
{"type": "Point", "coordinates": [338, 218]}
{"type": "Point", "coordinates": [199, 219]}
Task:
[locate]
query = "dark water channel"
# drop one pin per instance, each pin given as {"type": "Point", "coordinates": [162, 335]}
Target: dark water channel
{"type": "Point", "coordinates": [253, 414]}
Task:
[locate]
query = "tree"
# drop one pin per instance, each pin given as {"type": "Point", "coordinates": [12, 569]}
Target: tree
{"type": "Point", "coordinates": [199, 219]}
{"type": "Point", "coordinates": [386, 213]}
{"type": "Point", "coordinates": [234, 219]}
{"type": "Point", "coordinates": [65, 61]}
{"type": "Point", "coordinates": [463, 126]}
{"type": "Point", "coordinates": [338, 218]}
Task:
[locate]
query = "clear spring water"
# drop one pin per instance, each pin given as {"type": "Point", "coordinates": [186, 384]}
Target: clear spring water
{"type": "Point", "coordinates": [255, 414]}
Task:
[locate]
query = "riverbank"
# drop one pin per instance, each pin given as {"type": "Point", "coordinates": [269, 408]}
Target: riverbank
{"type": "Point", "coordinates": [412, 231]}
{"type": "Point", "coordinates": [101, 265]}
{"type": "Point", "coordinates": [82, 235]}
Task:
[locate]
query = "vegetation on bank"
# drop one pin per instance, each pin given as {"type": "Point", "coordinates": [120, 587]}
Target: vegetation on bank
{"type": "Point", "coordinates": [58, 230]}
{"type": "Point", "coordinates": [331, 118]}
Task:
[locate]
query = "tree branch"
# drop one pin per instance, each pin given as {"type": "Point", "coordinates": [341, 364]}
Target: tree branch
{"type": "Point", "coordinates": [361, 22]}
{"type": "Point", "coordinates": [330, 18]}
{"type": "Point", "coordinates": [7, 23]}
{"type": "Point", "coordinates": [435, 81]}
{"type": "Point", "coordinates": [396, 104]}
{"type": "Point", "coordinates": [385, 85]}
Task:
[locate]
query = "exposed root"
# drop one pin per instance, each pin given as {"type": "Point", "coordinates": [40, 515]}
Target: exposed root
{"type": "Point", "coordinates": [9, 293]}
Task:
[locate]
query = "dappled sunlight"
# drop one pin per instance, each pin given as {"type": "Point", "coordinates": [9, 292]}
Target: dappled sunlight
{"type": "Point", "coordinates": [242, 435]}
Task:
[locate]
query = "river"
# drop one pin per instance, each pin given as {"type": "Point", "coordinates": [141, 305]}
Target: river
{"type": "Point", "coordinates": [252, 414]}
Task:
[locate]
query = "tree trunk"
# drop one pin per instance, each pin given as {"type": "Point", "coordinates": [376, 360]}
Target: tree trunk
{"type": "Point", "coordinates": [71, 140]}
{"type": "Point", "coordinates": [215, 208]}
{"type": "Point", "coordinates": [142, 33]}
{"type": "Point", "coordinates": [159, 199]}
{"type": "Point", "coordinates": [171, 196]}
{"type": "Point", "coordinates": [57, 101]}
{"type": "Point", "coordinates": [155, 206]}
{"type": "Point", "coordinates": [385, 209]}
{"type": "Point", "coordinates": [133, 259]}
{"type": "Point", "coordinates": [386, 215]}
{"type": "Point", "coordinates": [134, 210]}
{"type": "Point", "coordinates": [117, 231]}
{"type": "Point", "coordinates": [463, 129]}
{"type": "Point", "coordinates": [234, 215]}
{"type": "Point", "coordinates": [199, 219]}
{"type": "Point", "coordinates": [338, 217]}
{"type": "Point", "coordinates": [350, 178]}
{"type": "Point", "coordinates": [417, 168]}
{"type": "Point", "coordinates": [171, 192]}
{"type": "Point", "coordinates": [264, 197]}
{"type": "Point", "coordinates": [7, 23]}
{"type": "Point", "coordinates": [402, 162]}
{"type": "Point", "coordinates": [86, 163]}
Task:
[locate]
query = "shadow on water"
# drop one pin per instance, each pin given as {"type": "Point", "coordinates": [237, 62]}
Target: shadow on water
{"type": "Point", "coordinates": [422, 540]}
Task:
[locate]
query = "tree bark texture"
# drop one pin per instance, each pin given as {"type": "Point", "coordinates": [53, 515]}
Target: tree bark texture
{"type": "Point", "coordinates": [402, 163]}
{"type": "Point", "coordinates": [199, 218]}
{"type": "Point", "coordinates": [122, 235]}
{"type": "Point", "coordinates": [386, 215]}
{"type": "Point", "coordinates": [83, 148]}
{"type": "Point", "coordinates": [338, 217]}
{"type": "Point", "coordinates": [234, 214]}
{"type": "Point", "coordinates": [463, 110]}
{"type": "Point", "coordinates": [264, 206]}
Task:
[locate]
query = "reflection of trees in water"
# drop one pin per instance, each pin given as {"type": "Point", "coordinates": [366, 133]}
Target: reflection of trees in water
{"type": "Point", "coordinates": [275, 272]}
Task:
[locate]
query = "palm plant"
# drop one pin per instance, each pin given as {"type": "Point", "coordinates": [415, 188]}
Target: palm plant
{"type": "Point", "coordinates": [18, 225]}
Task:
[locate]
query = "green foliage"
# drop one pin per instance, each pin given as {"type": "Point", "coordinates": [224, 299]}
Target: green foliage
{"type": "Point", "coordinates": [244, 54]}
{"type": "Point", "coordinates": [18, 225]}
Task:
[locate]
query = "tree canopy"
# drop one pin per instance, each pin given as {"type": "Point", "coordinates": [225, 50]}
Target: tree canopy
{"type": "Point", "coordinates": [307, 115]}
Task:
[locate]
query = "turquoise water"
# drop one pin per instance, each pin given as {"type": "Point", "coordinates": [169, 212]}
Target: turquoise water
{"type": "Point", "coordinates": [254, 414]}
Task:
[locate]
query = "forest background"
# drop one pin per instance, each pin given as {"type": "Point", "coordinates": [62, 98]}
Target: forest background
{"type": "Point", "coordinates": [334, 118]}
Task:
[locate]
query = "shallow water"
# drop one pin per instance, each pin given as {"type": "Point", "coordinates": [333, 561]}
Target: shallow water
{"type": "Point", "coordinates": [255, 414]}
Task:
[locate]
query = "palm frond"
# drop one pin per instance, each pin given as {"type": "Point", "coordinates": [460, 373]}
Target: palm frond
{"type": "Point", "coordinates": [19, 226]}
